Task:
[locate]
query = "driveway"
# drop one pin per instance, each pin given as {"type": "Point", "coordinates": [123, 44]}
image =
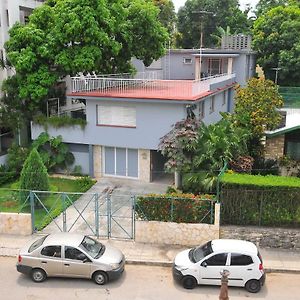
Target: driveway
{"type": "Point", "coordinates": [115, 216]}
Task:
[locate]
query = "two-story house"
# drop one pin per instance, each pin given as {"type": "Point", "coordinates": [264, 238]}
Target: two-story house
{"type": "Point", "coordinates": [127, 115]}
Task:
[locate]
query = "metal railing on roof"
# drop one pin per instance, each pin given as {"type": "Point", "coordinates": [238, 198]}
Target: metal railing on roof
{"type": "Point", "coordinates": [148, 82]}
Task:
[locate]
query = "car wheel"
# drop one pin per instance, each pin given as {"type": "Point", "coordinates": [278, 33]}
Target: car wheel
{"type": "Point", "coordinates": [38, 275]}
{"type": "Point", "coordinates": [100, 277]}
{"type": "Point", "coordinates": [253, 286]}
{"type": "Point", "coordinates": [189, 282]}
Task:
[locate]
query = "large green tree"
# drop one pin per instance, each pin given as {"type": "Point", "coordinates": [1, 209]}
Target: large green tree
{"type": "Point", "coordinates": [263, 6]}
{"type": "Point", "coordinates": [277, 42]}
{"type": "Point", "coordinates": [225, 13]}
{"type": "Point", "coordinates": [64, 37]}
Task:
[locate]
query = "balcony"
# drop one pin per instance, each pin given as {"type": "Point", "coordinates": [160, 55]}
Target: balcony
{"type": "Point", "coordinates": [147, 85]}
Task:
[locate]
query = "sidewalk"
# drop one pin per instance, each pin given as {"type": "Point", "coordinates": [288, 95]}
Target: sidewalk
{"type": "Point", "coordinates": [162, 255]}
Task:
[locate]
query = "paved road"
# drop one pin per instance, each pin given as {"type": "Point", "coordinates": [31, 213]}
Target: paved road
{"type": "Point", "coordinates": [138, 283]}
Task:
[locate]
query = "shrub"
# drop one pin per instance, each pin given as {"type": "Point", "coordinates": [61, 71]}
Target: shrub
{"type": "Point", "coordinates": [58, 121]}
{"type": "Point", "coordinates": [16, 157]}
{"type": "Point", "coordinates": [260, 200]}
{"type": "Point", "coordinates": [34, 174]}
{"type": "Point", "coordinates": [175, 207]}
{"type": "Point", "coordinates": [84, 183]}
{"type": "Point", "coordinates": [6, 176]}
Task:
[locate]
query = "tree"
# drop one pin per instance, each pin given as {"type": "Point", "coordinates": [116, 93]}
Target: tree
{"type": "Point", "coordinates": [277, 42]}
{"type": "Point", "coordinates": [226, 13]}
{"type": "Point", "coordinates": [263, 6]}
{"type": "Point", "coordinates": [34, 173]}
{"type": "Point", "coordinates": [256, 108]}
{"type": "Point", "coordinates": [64, 37]}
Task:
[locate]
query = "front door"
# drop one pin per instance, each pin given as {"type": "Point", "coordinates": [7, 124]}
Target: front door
{"type": "Point", "coordinates": [210, 269]}
{"type": "Point", "coordinates": [51, 261]}
{"type": "Point", "coordinates": [76, 263]}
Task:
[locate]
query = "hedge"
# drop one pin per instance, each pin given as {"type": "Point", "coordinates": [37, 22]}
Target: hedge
{"type": "Point", "coordinates": [174, 207]}
{"type": "Point", "coordinates": [260, 200]}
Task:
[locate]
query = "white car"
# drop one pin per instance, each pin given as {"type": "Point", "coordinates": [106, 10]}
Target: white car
{"type": "Point", "coordinates": [204, 264]}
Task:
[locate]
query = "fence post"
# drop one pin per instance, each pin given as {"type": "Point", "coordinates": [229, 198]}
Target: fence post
{"type": "Point", "coordinates": [31, 196]}
{"type": "Point", "coordinates": [172, 209]}
{"type": "Point", "coordinates": [97, 214]}
{"type": "Point", "coordinates": [108, 216]}
{"type": "Point", "coordinates": [218, 180]}
{"type": "Point", "coordinates": [63, 198]}
{"type": "Point", "coordinates": [133, 217]}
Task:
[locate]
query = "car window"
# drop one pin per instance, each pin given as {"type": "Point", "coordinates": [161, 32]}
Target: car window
{"type": "Point", "coordinates": [196, 254]}
{"type": "Point", "coordinates": [217, 260]}
{"type": "Point", "coordinates": [53, 251]}
{"type": "Point", "coordinates": [238, 259]}
{"type": "Point", "coordinates": [92, 247]}
{"type": "Point", "coordinates": [37, 244]}
{"type": "Point", "coordinates": [73, 253]}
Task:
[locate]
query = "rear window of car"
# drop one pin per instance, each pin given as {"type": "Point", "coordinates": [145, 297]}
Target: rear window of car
{"type": "Point", "coordinates": [238, 259]}
{"type": "Point", "coordinates": [37, 244]}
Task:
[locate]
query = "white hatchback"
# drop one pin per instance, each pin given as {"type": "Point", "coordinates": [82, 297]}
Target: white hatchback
{"type": "Point", "coordinates": [204, 264]}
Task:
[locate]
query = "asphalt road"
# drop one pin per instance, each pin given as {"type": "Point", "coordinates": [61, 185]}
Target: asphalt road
{"type": "Point", "coordinates": [137, 283]}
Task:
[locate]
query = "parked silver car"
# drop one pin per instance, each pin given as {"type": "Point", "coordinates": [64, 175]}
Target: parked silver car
{"type": "Point", "coordinates": [70, 255]}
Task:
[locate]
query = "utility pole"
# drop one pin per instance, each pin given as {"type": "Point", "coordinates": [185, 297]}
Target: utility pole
{"type": "Point", "coordinates": [276, 73]}
{"type": "Point", "coordinates": [201, 13]}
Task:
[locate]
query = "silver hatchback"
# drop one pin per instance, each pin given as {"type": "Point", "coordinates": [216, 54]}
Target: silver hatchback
{"type": "Point", "coordinates": [70, 255]}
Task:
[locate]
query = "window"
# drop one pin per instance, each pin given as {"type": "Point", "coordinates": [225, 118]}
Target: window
{"type": "Point", "coordinates": [201, 110]}
{"type": "Point", "coordinates": [73, 253]}
{"type": "Point", "coordinates": [187, 61]}
{"type": "Point", "coordinates": [224, 98]}
{"type": "Point", "coordinates": [212, 104]}
{"type": "Point", "coordinates": [53, 251]}
{"type": "Point", "coordinates": [116, 115]}
{"type": "Point", "coordinates": [293, 150]}
{"type": "Point", "coordinates": [37, 244]}
{"type": "Point", "coordinates": [215, 66]}
{"type": "Point", "coordinates": [240, 260]}
{"type": "Point", "coordinates": [217, 260]}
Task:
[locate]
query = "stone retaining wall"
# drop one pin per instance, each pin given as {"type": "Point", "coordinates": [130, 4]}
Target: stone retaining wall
{"type": "Point", "coordinates": [177, 233]}
{"type": "Point", "coordinates": [264, 237]}
{"type": "Point", "coordinates": [13, 223]}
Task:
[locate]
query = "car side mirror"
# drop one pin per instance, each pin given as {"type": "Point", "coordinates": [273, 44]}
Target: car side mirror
{"type": "Point", "coordinates": [204, 264]}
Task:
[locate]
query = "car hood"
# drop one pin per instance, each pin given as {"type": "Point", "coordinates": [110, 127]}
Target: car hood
{"type": "Point", "coordinates": [182, 259]}
{"type": "Point", "coordinates": [111, 255]}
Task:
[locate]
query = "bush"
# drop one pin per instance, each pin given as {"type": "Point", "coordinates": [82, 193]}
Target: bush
{"type": "Point", "coordinates": [260, 200]}
{"type": "Point", "coordinates": [16, 157]}
{"type": "Point", "coordinates": [84, 183]}
{"type": "Point", "coordinates": [34, 174]}
{"type": "Point", "coordinates": [6, 176]}
{"type": "Point", "coordinates": [175, 207]}
{"type": "Point", "coordinates": [58, 121]}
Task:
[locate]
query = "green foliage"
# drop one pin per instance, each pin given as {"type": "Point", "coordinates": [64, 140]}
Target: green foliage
{"type": "Point", "coordinates": [58, 121]}
{"type": "Point", "coordinates": [54, 153]}
{"type": "Point", "coordinates": [84, 183]}
{"type": "Point", "coordinates": [179, 208]}
{"type": "Point", "coordinates": [277, 42]}
{"type": "Point", "coordinates": [16, 158]}
{"type": "Point", "coordinates": [226, 13]}
{"type": "Point", "coordinates": [256, 106]}
{"type": "Point", "coordinates": [263, 6]}
{"type": "Point", "coordinates": [260, 200]}
{"type": "Point", "coordinates": [65, 37]}
{"type": "Point", "coordinates": [6, 175]}
{"type": "Point", "coordinates": [34, 174]}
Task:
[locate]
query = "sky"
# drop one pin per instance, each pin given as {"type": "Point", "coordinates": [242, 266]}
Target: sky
{"type": "Point", "coordinates": [179, 3]}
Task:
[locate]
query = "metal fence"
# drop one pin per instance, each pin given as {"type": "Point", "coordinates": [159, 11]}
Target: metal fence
{"type": "Point", "coordinates": [268, 207]}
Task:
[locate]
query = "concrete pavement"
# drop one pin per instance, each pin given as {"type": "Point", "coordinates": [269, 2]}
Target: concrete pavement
{"type": "Point", "coordinates": [161, 255]}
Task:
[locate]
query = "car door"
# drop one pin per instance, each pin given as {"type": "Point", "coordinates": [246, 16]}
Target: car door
{"type": "Point", "coordinates": [241, 269]}
{"type": "Point", "coordinates": [210, 268]}
{"type": "Point", "coordinates": [50, 260]}
{"type": "Point", "coordinates": [76, 263]}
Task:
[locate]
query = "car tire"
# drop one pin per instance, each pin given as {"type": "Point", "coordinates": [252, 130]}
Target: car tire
{"type": "Point", "coordinates": [38, 275]}
{"type": "Point", "coordinates": [253, 286]}
{"type": "Point", "coordinates": [189, 282]}
{"type": "Point", "coordinates": [100, 277]}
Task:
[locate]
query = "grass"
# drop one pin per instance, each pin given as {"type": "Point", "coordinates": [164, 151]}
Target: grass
{"type": "Point", "coordinates": [14, 200]}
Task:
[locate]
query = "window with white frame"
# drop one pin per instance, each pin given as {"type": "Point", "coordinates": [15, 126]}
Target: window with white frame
{"type": "Point", "coordinates": [215, 66]}
{"type": "Point", "coordinates": [187, 61]}
{"type": "Point", "coordinates": [116, 115]}
{"type": "Point", "coordinates": [201, 110]}
{"type": "Point", "coordinates": [225, 97]}
{"type": "Point", "coordinates": [212, 104]}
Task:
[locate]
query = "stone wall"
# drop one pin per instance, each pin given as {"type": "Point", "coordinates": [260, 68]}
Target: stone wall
{"type": "Point", "coordinates": [13, 223]}
{"type": "Point", "coordinates": [264, 237]}
{"type": "Point", "coordinates": [177, 233]}
{"type": "Point", "coordinates": [274, 147]}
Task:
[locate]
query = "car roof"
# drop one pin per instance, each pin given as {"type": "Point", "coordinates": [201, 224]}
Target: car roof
{"type": "Point", "coordinates": [64, 238]}
{"type": "Point", "coordinates": [231, 245]}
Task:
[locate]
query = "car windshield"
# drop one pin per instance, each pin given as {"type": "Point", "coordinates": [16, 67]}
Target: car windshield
{"type": "Point", "coordinates": [196, 254]}
{"type": "Point", "coordinates": [92, 247]}
{"type": "Point", "coordinates": [37, 244]}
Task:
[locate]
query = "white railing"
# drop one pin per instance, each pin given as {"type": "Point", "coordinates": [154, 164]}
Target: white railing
{"type": "Point", "coordinates": [146, 82]}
